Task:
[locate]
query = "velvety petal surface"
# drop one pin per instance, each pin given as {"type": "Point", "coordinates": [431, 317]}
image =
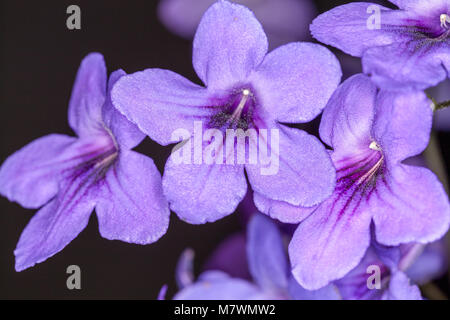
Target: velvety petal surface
{"type": "Point", "coordinates": [411, 207]}
{"type": "Point", "coordinates": [31, 175]}
{"type": "Point", "coordinates": [305, 175]}
{"type": "Point", "coordinates": [296, 292]}
{"type": "Point", "coordinates": [295, 81]}
{"type": "Point", "coordinates": [200, 193]}
{"type": "Point", "coordinates": [132, 207]}
{"type": "Point", "coordinates": [125, 133]}
{"type": "Point", "coordinates": [88, 96]}
{"type": "Point", "coordinates": [228, 45]}
{"type": "Point", "coordinates": [266, 254]}
{"type": "Point", "coordinates": [160, 102]}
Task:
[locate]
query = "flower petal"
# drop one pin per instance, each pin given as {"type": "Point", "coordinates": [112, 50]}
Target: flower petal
{"type": "Point", "coordinates": [31, 175]}
{"type": "Point", "coordinates": [408, 64]}
{"type": "Point", "coordinates": [347, 119]}
{"type": "Point", "coordinates": [346, 27]}
{"type": "Point", "coordinates": [266, 254]}
{"type": "Point", "coordinates": [55, 225]}
{"type": "Point", "coordinates": [400, 288]}
{"type": "Point", "coordinates": [304, 175]}
{"type": "Point", "coordinates": [200, 193]}
{"type": "Point", "coordinates": [228, 45]}
{"type": "Point", "coordinates": [219, 288]}
{"type": "Point", "coordinates": [132, 207]}
{"type": "Point", "coordinates": [88, 96]}
{"type": "Point", "coordinates": [281, 210]}
{"type": "Point", "coordinates": [126, 133]}
{"type": "Point", "coordinates": [411, 207]}
{"type": "Point", "coordinates": [431, 264]}
{"type": "Point", "coordinates": [331, 241]}
{"type": "Point", "coordinates": [160, 102]}
{"type": "Point", "coordinates": [402, 124]}
{"type": "Point", "coordinates": [297, 292]}
{"type": "Point", "coordinates": [295, 81]}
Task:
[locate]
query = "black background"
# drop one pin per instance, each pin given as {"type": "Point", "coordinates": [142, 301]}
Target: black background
{"type": "Point", "coordinates": [39, 59]}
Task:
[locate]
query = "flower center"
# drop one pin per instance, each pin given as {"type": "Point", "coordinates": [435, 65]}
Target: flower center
{"type": "Point", "coordinates": [237, 112]}
{"type": "Point", "coordinates": [445, 18]}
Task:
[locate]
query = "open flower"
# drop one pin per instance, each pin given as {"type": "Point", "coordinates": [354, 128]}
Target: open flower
{"type": "Point", "coordinates": [371, 134]}
{"type": "Point", "coordinates": [405, 48]}
{"type": "Point", "coordinates": [268, 266]}
{"type": "Point", "coordinates": [248, 92]}
{"type": "Point", "coordinates": [283, 20]}
{"type": "Point", "coordinates": [68, 177]}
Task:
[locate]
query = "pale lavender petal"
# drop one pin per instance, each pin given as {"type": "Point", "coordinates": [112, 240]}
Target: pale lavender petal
{"type": "Point", "coordinates": [228, 45]}
{"type": "Point", "coordinates": [411, 206]}
{"type": "Point", "coordinates": [332, 240]}
{"type": "Point", "coordinates": [88, 96]}
{"type": "Point", "coordinates": [280, 210]}
{"type": "Point", "coordinates": [126, 133]}
{"type": "Point", "coordinates": [297, 292]}
{"type": "Point", "coordinates": [347, 119]}
{"type": "Point", "coordinates": [55, 225]}
{"type": "Point", "coordinates": [266, 254]}
{"type": "Point", "coordinates": [402, 124]}
{"type": "Point", "coordinates": [200, 193]}
{"type": "Point", "coordinates": [304, 175]}
{"type": "Point", "coordinates": [295, 81]}
{"type": "Point", "coordinates": [400, 288]}
{"type": "Point", "coordinates": [131, 206]}
{"type": "Point", "coordinates": [219, 288]}
{"type": "Point", "coordinates": [184, 274]}
{"type": "Point", "coordinates": [31, 175]}
{"type": "Point", "coordinates": [160, 102]}
{"type": "Point", "coordinates": [346, 27]}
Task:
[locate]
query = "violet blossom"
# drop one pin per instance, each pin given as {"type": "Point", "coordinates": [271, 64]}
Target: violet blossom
{"type": "Point", "coordinates": [371, 134]}
{"type": "Point", "coordinates": [70, 176]}
{"type": "Point", "coordinates": [404, 48]}
{"type": "Point", "coordinates": [246, 89]}
{"type": "Point", "coordinates": [283, 20]}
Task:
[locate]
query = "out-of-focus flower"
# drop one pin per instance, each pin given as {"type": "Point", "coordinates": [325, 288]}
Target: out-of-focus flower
{"type": "Point", "coordinates": [268, 266]}
{"type": "Point", "coordinates": [371, 135]}
{"type": "Point", "coordinates": [246, 89]}
{"type": "Point", "coordinates": [68, 177]}
{"type": "Point", "coordinates": [405, 48]}
{"type": "Point", "coordinates": [441, 93]}
{"type": "Point", "coordinates": [283, 20]}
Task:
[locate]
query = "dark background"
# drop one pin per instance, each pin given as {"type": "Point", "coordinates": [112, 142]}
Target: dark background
{"type": "Point", "coordinates": [39, 60]}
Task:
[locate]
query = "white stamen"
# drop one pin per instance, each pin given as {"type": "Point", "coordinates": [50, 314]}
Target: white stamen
{"type": "Point", "coordinates": [237, 113]}
{"type": "Point", "coordinates": [445, 18]}
{"type": "Point", "coordinates": [374, 146]}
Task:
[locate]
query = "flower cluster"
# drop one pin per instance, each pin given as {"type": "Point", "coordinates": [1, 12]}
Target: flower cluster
{"type": "Point", "coordinates": [354, 198]}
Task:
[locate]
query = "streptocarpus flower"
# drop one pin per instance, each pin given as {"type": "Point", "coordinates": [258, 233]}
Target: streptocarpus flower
{"type": "Point", "coordinates": [268, 265]}
{"type": "Point", "coordinates": [371, 135]}
{"type": "Point", "coordinates": [283, 20]}
{"type": "Point", "coordinates": [246, 89]}
{"type": "Point", "coordinates": [405, 48]}
{"type": "Point", "coordinates": [68, 177]}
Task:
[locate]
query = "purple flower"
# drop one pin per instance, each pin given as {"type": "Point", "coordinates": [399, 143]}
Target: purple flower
{"type": "Point", "coordinates": [371, 134]}
{"type": "Point", "coordinates": [283, 20]}
{"type": "Point", "coordinates": [393, 284]}
{"type": "Point", "coordinates": [246, 89]}
{"type": "Point", "coordinates": [406, 48]}
{"type": "Point", "coordinates": [268, 266]}
{"type": "Point", "coordinates": [68, 177]}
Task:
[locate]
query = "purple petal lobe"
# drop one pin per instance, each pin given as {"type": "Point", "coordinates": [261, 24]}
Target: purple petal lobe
{"type": "Point", "coordinates": [304, 175]}
{"type": "Point", "coordinates": [132, 207]}
{"type": "Point", "coordinates": [160, 102]}
{"type": "Point", "coordinates": [296, 80]}
{"type": "Point", "coordinates": [400, 288]}
{"type": "Point", "coordinates": [402, 124]}
{"type": "Point", "coordinates": [228, 45]}
{"type": "Point", "coordinates": [31, 175]}
{"type": "Point", "coordinates": [297, 292]}
{"type": "Point", "coordinates": [412, 206]}
{"type": "Point", "coordinates": [126, 133]}
{"type": "Point", "coordinates": [266, 254]}
{"type": "Point", "coordinates": [88, 96]}
{"type": "Point", "coordinates": [203, 193]}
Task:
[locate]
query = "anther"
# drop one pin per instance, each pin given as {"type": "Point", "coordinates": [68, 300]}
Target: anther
{"type": "Point", "coordinates": [445, 18]}
{"type": "Point", "coordinates": [374, 146]}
